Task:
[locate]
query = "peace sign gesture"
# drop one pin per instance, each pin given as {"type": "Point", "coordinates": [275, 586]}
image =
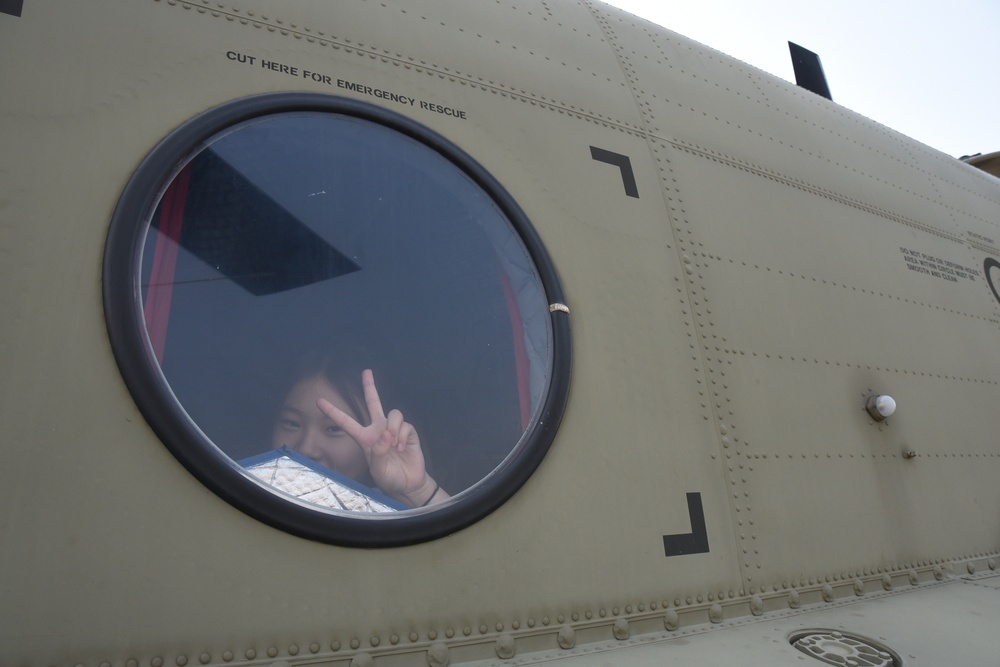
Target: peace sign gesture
{"type": "Point", "coordinates": [391, 447]}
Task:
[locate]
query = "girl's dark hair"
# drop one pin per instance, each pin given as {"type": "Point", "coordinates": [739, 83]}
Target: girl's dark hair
{"type": "Point", "coordinates": [341, 370]}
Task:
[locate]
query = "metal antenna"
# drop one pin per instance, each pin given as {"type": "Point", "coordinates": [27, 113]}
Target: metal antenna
{"type": "Point", "coordinates": [809, 71]}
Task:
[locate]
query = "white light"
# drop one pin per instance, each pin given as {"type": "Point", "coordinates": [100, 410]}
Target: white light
{"type": "Point", "coordinates": [880, 407]}
{"type": "Point", "coordinates": [886, 405]}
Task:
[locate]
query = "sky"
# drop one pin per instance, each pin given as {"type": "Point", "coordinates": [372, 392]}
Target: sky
{"type": "Point", "coordinates": [927, 68]}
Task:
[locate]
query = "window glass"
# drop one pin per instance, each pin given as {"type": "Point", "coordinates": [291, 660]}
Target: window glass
{"type": "Point", "coordinates": [310, 254]}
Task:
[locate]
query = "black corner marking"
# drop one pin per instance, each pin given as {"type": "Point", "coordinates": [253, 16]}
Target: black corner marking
{"type": "Point", "coordinates": [991, 263]}
{"type": "Point", "coordinates": [695, 542]}
{"type": "Point", "coordinates": [623, 163]}
{"type": "Point", "coordinates": [12, 7]}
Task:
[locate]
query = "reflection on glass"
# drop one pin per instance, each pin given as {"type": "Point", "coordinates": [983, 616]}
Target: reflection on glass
{"type": "Point", "coordinates": [327, 285]}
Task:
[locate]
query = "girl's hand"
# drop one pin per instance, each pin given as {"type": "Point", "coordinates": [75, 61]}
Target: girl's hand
{"type": "Point", "coordinates": [391, 446]}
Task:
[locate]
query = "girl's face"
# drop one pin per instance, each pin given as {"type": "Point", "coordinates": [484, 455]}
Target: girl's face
{"type": "Point", "coordinates": [302, 427]}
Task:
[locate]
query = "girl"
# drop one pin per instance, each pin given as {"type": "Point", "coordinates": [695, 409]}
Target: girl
{"type": "Point", "coordinates": [331, 418]}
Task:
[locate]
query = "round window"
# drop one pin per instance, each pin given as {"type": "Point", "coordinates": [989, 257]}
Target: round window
{"type": "Point", "coordinates": [336, 319]}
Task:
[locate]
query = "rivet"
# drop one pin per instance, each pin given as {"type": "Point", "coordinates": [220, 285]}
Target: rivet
{"type": "Point", "coordinates": [715, 613]}
{"type": "Point", "coordinates": [545, 620]}
{"type": "Point", "coordinates": [181, 660]}
{"type": "Point", "coordinates": [588, 615]}
{"type": "Point", "coordinates": [828, 593]}
{"type": "Point", "coordinates": [334, 646]}
{"type": "Point", "coordinates": [483, 629]}
{"type": "Point", "coordinates": [914, 578]}
{"type": "Point", "coordinates": [432, 635]}
{"type": "Point", "coordinates": [886, 582]}
{"type": "Point", "coordinates": [505, 647]}
{"type": "Point", "coordinates": [971, 567]}
{"type": "Point", "coordinates": [131, 662]}
{"type": "Point", "coordinates": [499, 627]}
{"type": "Point", "coordinates": [204, 658]}
{"type": "Point", "coordinates": [567, 637]}
{"type": "Point", "coordinates": [467, 631]}
{"type": "Point", "coordinates": [671, 620]}
{"type": "Point", "coordinates": [355, 643]}
{"type": "Point", "coordinates": [292, 650]}
{"type": "Point", "coordinates": [793, 599]}
{"type": "Point", "coordinates": [374, 641]}
{"type": "Point", "coordinates": [756, 605]}
{"type": "Point", "coordinates": [449, 633]}
{"type": "Point", "coordinates": [414, 636]}
{"type": "Point", "coordinates": [250, 654]}
{"type": "Point", "coordinates": [620, 629]}
{"type": "Point", "coordinates": [992, 563]}
{"type": "Point", "coordinates": [438, 655]}
{"type": "Point", "coordinates": [531, 622]}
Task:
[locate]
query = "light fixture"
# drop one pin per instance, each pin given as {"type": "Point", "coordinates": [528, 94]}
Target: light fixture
{"type": "Point", "coordinates": [880, 406]}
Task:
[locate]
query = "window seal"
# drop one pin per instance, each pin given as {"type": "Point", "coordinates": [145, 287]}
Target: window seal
{"type": "Point", "coordinates": [191, 446]}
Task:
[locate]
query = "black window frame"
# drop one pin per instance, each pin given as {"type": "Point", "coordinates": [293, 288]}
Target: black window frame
{"type": "Point", "coordinates": [184, 439]}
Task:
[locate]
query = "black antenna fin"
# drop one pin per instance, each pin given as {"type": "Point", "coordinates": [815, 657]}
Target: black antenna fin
{"type": "Point", "coordinates": [809, 71]}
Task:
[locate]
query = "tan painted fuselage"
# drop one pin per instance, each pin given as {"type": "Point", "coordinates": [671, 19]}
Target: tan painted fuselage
{"type": "Point", "coordinates": [784, 259]}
